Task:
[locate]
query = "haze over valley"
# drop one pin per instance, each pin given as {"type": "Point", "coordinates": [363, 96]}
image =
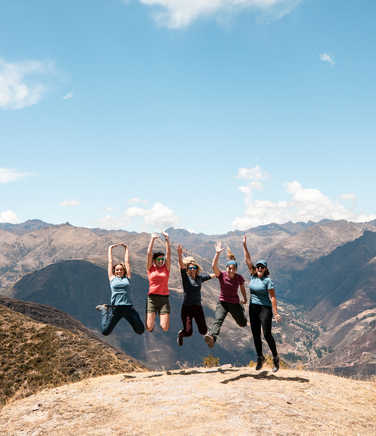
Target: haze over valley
{"type": "Point", "coordinates": [324, 274]}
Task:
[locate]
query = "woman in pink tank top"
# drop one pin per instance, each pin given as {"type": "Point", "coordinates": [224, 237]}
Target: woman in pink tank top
{"type": "Point", "coordinates": [158, 271]}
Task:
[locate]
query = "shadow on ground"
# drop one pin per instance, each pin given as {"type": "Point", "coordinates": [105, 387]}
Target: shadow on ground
{"type": "Point", "coordinates": [266, 375]}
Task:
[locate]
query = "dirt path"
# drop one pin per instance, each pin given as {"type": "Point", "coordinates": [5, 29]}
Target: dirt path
{"type": "Point", "coordinates": [216, 401]}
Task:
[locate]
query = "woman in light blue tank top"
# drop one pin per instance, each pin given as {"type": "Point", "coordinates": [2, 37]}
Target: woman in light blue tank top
{"type": "Point", "coordinates": [262, 306]}
{"type": "Point", "coordinates": [121, 305]}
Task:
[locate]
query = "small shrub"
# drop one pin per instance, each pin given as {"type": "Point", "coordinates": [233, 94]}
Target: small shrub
{"type": "Point", "coordinates": [269, 362]}
{"type": "Point", "coordinates": [210, 361]}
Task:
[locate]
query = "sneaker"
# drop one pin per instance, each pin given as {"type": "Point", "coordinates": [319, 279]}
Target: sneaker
{"type": "Point", "coordinates": [102, 307]}
{"type": "Point", "coordinates": [179, 339]}
{"type": "Point", "coordinates": [260, 362]}
{"type": "Point", "coordinates": [276, 364]}
{"type": "Point", "coordinates": [209, 340]}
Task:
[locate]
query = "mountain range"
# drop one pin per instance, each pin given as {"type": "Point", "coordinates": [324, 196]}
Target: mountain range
{"type": "Point", "coordinates": [310, 264]}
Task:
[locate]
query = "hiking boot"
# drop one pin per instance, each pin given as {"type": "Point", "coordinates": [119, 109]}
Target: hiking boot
{"type": "Point", "coordinates": [260, 362]}
{"type": "Point", "coordinates": [102, 307]}
{"type": "Point", "coordinates": [276, 364]}
{"type": "Point", "coordinates": [179, 339]}
{"type": "Point", "coordinates": [209, 340]}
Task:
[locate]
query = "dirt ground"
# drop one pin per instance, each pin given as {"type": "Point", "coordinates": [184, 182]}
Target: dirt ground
{"type": "Point", "coordinates": [199, 401]}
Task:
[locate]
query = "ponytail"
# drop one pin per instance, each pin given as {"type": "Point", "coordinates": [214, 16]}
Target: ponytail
{"type": "Point", "coordinates": [231, 258]}
{"type": "Point", "coordinates": [230, 254]}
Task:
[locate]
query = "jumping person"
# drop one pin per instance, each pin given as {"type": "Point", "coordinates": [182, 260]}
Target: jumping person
{"type": "Point", "coordinates": [192, 278]}
{"type": "Point", "coordinates": [121, 306]}
{"type": "Point", "coordinates": [229, 281]}
{"type": "Point", "coordinates": [262, 306]}
{"type": "Point", "coordinates": [158, 270]}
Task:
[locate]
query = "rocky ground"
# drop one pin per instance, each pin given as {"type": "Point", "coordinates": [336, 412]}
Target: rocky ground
{"type": "Point", "coordinates": [199, 401]}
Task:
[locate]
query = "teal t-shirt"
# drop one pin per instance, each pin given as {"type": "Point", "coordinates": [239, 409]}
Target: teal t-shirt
{"type": "Point", "coordinates": [120, 291]}
{"type": "Point", "coordinates": [260, 290]}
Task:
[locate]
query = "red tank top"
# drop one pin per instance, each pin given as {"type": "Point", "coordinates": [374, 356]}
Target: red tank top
{"type": "Point", "coordinates": [158, 280]}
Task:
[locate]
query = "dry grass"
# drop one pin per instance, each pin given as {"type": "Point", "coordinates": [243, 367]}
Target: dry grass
{"type": "Point", "coordinates": [34, 356]}
{"type": "Point", "coordinates": [269, 363]}
{"type": "Point", "coordinates": [210, 361]}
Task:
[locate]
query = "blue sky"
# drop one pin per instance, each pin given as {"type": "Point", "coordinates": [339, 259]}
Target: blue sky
{"type": "Point", "coordinates": [209, 115]}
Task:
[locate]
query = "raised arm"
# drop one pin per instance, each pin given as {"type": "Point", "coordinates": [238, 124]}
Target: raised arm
{"type": "Point", "coordinates": [218, 251]}
{"type": "Point", "coordinates": [247, 256]}
{"type": "Point", "coordinates": [109, 263]}
{"type": "Point", "coordinates": [180, 257]}
{"type": "Point", "coordinates": [168, 250]}
{"type": "Point", "coordinates": [150, 251]}
{"type": "Point", "coordinates": [126, 260]}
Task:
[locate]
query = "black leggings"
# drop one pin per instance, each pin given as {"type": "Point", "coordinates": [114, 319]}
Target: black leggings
{"type": "Point", "coordinates": [262, 316]}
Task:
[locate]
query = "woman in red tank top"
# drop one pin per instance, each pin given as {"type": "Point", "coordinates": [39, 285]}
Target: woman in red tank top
{"type": "Point", "coordinates": [158, 271]}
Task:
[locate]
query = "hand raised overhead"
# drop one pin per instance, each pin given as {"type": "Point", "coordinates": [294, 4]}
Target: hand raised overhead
{"type": "Point", "coordinates": [218, 247]}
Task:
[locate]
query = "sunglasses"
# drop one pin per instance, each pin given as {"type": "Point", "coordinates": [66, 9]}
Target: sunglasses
{"type": "Point", "coordinates": [260, 267]}
{"type": "Point", "coordinates": [192, 267]}
{"type": "Point", "coordinates": [160, 259]}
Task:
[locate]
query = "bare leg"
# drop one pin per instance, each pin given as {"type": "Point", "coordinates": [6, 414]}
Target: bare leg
{"type": "Point", "coordinates": [150, 321]}
{"type": "Point", "coordinates": [164, 320]}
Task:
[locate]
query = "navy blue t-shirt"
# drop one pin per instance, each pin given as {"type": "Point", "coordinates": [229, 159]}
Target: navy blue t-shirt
{"type": "Point", "coordinates": [192, 287]}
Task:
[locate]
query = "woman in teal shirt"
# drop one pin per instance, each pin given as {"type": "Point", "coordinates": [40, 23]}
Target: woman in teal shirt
{"type": "Point", "coordinates": [121, 306]}
{"type": "Point", "coordinates": [262, 305]}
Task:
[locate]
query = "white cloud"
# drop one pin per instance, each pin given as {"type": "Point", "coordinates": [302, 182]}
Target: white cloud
{"type": "Point", "coordinates": [325, 57]}
{"type": "Point", "coordinates": [136, 200]}
{"type": "Point", "coordinates": [254, 176]}
{"type": "Point", "coordinates": [110, 222]}
{"type": "Point", "coordinates": [8, 216]}
{"type": "Point", "coordinates": [10, 175]}
{"type": "Point", "coordinates": [69, 203]}
{"type": "Point", "coordinates": [349, 196]}
{"type": "Point", "coordinates": [19, 83]}
{"type": "Point", "coordinates": [303, 204]}
{"type": "Point", "coordinates": [181, 13]}
{"type": "Point", "coordinates": [254, 173]}
{"type": "Point", "coordinates": [68, 96]}
{"type": "Point", "coordinates": [158, 217]}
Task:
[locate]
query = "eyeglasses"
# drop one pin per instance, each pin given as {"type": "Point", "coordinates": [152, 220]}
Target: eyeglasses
{"type": "Point", "coordinates": [260, 267]}
{"type": "Point", "coordinates": [193, 267]}
{"type": "Point", "coordinates": [160, 259]}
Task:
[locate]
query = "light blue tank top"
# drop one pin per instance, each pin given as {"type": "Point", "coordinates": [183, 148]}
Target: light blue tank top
{"type": "Point", "coordinates": [120, 295]}
{"type": "Point", "coordinates": [260, 290]}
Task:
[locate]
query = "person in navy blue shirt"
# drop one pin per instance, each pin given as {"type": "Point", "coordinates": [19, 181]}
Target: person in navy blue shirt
{"type": "Point", "coordinates": [192, 278]}
{"type": "Point", "coordinates": [262, 306]}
